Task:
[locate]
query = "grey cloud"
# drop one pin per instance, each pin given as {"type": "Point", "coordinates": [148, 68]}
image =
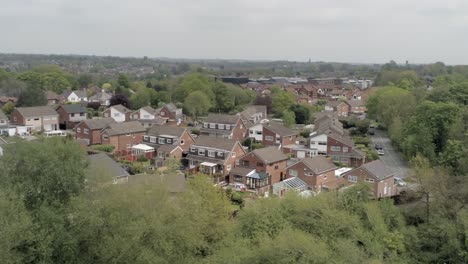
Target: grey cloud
{"type": "Point", "coordinates": [336, 30]}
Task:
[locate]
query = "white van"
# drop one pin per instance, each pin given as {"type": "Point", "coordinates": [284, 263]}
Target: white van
{"type": "Point", "coordinates": [55, 133]}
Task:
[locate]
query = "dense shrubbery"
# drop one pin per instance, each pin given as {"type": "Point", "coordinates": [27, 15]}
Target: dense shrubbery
{"type": "Point", "coordinates": [105, 147]}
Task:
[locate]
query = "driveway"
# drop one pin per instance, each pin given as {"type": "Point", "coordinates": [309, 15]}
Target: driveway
{"type": "Point", "coordinates": [391, 158]}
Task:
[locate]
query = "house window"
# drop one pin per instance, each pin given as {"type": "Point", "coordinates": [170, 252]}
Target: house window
{"type": "Point", "coordinates": [245, 163]}
{"type": "Point", "coordinates": [251, 131]}
{"type": "Point", "coordinates": [258, 132]}
{"type": "Point", "coordinates": [228, 127]}
{"type": "Point", "coordinates": [86, 131]}
{"type": "Point", "coordinates": [192, 149]}
{"type": "Point", "coordinates": [335, 148]}
{"type": "Point", "coordinates": [161, 140]}
{"type": "Point", "coordinates": [237, 178]}
{"type": "Point", "coordinates": [312, 142]}
{"type": "Point", "coordinates": [268, 138]}
{"type": "Point", "coordinates": [78, 130]}
{"type": "Point", "coordinates": [135, 116]}
{"type": "Point", "coordinates": [72, 115]}
{"type": "Point", "coordinates": [211, 153]}
{"type": "Point", "coordinates": [163, 113]}
{"type": "Point", "coordinates": [233, 154]}
{"type": "Point", "coordinates": [36, 119]}
{"type": "Point", "coordinates": [369, 180]}
{"type": "Point", "coordinates": [193, 162]}
{"type": "Point", "coordinates": [212, 125]}
{"type": "Point", "coordinates": [259, 164]}
{"type": "Point", "coordinates": [228, 167]}
{"type": "Point", "coordinates": [276, 167]}
{"type": "Point", "coordinates": [293, 172]}
{"type": "Point", "coordinates": [82, 114]}
{"type": "Point", "coordinates": [161, 155]}
{"type": "Point", "coordinates": [352, 178]}
{"type": "Point", "coordinates": [168, 140]}
{"type": "Point", "coordinates": [201, 152]}
{"type": "Point", "coordinates": [220, 126]}
{"type": "Point", "coordinates": [153, 139]}
{"type": "Point", "coordinates": [14, 118]}
{"type": "Point", "coordinates": [105, 137]}
{"type": "Point", "coordinates": [322, 143]}
{"type": "Point", "coordinates": [116, 114]}
{"type": "Point", "coordinates": [182, 142]}
{"type": "Point", "coordinates": [345, 149]}
{"type": "Point", "coordinates": [146, 138]}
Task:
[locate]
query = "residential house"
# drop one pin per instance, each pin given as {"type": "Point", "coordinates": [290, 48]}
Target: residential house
{"type": "Point", "coordinates": [254, 113]}
{"type": "Point", "coordinates": [70, 115]}
{"type": "Point", "coordinates": [119, 113]}
{"type": "Point", "coordinates": [317, 172]}
{"type": "Point", "coordinates": [168, 142]}
{"type": "Point", "coordinates": [256, 132]}
{"type": "Point", "coordinates": [278, 135]}
{"type": "Point", "coordinates": [309, 90]}
{"type": "Point", "coordinates": [173, 114]}
{"type": "Point", "coordinates": [123, 136]}
{"type": "Point", "coordinates": [341, 149]}
{"type": "Point", "coordinates": [377, 174]}
{"type": "Point", "coordinates": [224, 126]}
{"type": "Point", "coordinates": [214, 156]}
{"type": "Point", "coordinates": [52, 98]}
{"type": "Point", "coordinates": [102, 169]}
{"type": "Point", "coordinates": [6, 99]}
{"type": "Point", "coordinates": [342, 108]}
{"type": "Point", "coordinates": [74, 96]}
{"type": "Point", "coordinates": [357, 107]}
{"type": "Point", "coordinates": [269, 164]}
{"type": "Point", "coordinates": [89, 131]}
{"type": "Point", "coordinates": [157, 121]}
{"type": "Point", "coordinates": [101, 97]}
{"type": "Point", "coordinates": [39, 118]}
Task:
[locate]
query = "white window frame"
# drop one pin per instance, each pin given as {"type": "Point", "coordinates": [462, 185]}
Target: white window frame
{"type": "Point", "coordinates": [335, 148]}
{"type": "Point", "coordinates": [78, 130]}
{"type": "Point", "coordinates": [269, 138]}
{"type": "Point", "coordinates": [211, 153]}
{"type": "Point", "coordinates": [161, 140]}
{"type": "Point", "coordinates": [293, 172]}
{"type": "Point", "coordinates": [153, 139]}
{"type": "Point", "coordinates": [233, 154]}
{"type": "Point", "coordinates": [201, 151]}
{"type": "Point", "coordinates": [86, 131]}
{"type": "Point", "coordinates": [352, 178]}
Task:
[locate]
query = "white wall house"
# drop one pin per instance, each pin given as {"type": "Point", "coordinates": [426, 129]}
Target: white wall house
{"type": "Point", "coordinates": [319, 142]}
{"type": "Point", "coordinates": [255, 132]}
{"type": "Point", "coordinates": [76, 97]}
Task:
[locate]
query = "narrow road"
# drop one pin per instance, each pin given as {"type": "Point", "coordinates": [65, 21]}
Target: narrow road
{"type": "Point", "coordinates": [391, 158]}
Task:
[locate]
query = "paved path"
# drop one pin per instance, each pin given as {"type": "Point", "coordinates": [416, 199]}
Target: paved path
{"type": "Point", "coordinates": [391, 158]}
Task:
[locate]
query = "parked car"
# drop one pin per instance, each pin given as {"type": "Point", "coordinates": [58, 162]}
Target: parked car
{"type": "Point", "coordinates": [400, 182]}
{"type": "Point", "coordinates": [377, 146]}
{"type": "Point", "coordinates": [380, 152]}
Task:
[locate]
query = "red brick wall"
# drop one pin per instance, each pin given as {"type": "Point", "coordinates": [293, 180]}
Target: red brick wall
{"type": "Point", "coordinates": [167, 114]}
{"type": "Point", "coordinates": [265, 133]}
{"type": "Point", "coordinates": [19, 118]}
{"type": "Point", "coordinates": [343, 109]}
{"type": "Point", "coordinates": [120, 141]}
{"type": "Point", "coordinates": [377, 186]}
{"type": "Point", "coordinates": [63, 116]}
{"type": "Point", "coordinates": [275, 173]}
{"type": "Point", "coordinates": [288, 140]}
{"type": "Point", "coordinates": [332, 142]}
{"type": "Point", "coordinates": [188, 140]}
{"type": "Point", "coordinates": [232, 160]}
{"type": "Point", "coordinates": [239, 131]}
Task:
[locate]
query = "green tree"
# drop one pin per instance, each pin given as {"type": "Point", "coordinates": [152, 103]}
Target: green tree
{"type": "Point", "coordinates": [32, 96]}
{"type": "Point", "coordinates": [288, 118]}
{"type": "Point", "coordinates": [8, 107]}
{"type": "Point", "coordinates": [144, 97]}
{"type": "Point", "coordinates": [282, 101]}
{"type": "Point", "coordinates": [122, 80]}
{"type": "Point", "coordinates": [197, 103]}
{"type": "Point", "coordinates": [302, 113]}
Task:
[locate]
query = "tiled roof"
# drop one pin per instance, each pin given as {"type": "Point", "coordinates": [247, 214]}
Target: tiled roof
{"type": "Point", "coordinates": [343, 139]}
{"type": "Point", "coordinates": [171, 107]}
{"type": "Point", "coordinates": [167, 148]}
{"type": "Point", "coordinates": [280, 129]}
{"type": "Point", "coordinates": [222, 118]}
{"type": "Point", "coordinates": [101, 164]}
{"type": "Point", "coordinates": [73, 108]}
{"type": "Point", "coordinates": [121, 108]}
{"type": "Point", "coordinates": [356, 103]}
{"type": "Point", "coordinates": [36, 111]}
{"type": "Point", "coordinates": [378, 169]}
{"type": "Point", "coordinates": [124, 128]}
{"type": "Point", "coordinates": [270, 154]}
{"type": "Point", "coordinates": [98, 123]}
{"type": "Point", "coordinates": [215, 142]}
{"type": "Point", "coordinates": [51, 95]}
{"type": "Point", "coordinates": [319, 164]}
{"type": "Point", "coordinates": [157, 130]}
{"type": "Point", "coordinates": [241, 171]}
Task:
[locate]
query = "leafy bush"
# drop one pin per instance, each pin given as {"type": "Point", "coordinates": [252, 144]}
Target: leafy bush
{"type": "Point", "coordinates": [142, 159]}
{"type": "Point", "coordinates": [196, 131]}
{"type": "Point", "coordinates": [361, 140]}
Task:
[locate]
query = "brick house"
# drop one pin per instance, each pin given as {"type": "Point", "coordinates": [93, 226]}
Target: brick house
{"type": "Point", "coordinates": [74, 96]}
{"type": "Point", "coordinates": [173, 114]}
{"type": "Point", "coordinates": [70, 115]}
{"type": "Point", "coordinates": [309, 90]}
{"type": "Point", "coordinates": [123, 136]}
{"type": "Point", "coordinates": [224, 126]}
{"type": "Point", "coordinates": [119, 113]}
{"type": "Point", "coordinates": [270, 167]}
{"type": "Point", "coordinates": [40, 118]}
{"type": "Point", "coordinates": [277, 135]}
{"type": "Point", "coordinates": [341, 149]}
{"type": "Point", "coordinates": [318, 172]}
{"type": "Point", "coordinates": [102, 97]}
{"type": "Point", "coordinates": [52, 98]}
{"type": "Point", "coordinates": [357, 106]}
{"type": "Point", "coordinates": [146, 113]}
{"type": "Point", "coordinates": [254, 113]}
{"type": "Point", "coordinates": [214, 156]}
{"type": "Point", "coordinates": [168, 142]}
{"type": "Point", "coordinates": [89, 131]}
{"type": "Point", "coordinates": [377, 174]}
{"type": "Point", "coordinates": [342, 108]}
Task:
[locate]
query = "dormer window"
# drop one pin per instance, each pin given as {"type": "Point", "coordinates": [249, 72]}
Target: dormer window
{"type": "Point", "coordinates": [161, 141]}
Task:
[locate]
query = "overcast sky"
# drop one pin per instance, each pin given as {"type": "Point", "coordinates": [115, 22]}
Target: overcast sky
{"type": "Point", "coordinates": [420, 31]}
